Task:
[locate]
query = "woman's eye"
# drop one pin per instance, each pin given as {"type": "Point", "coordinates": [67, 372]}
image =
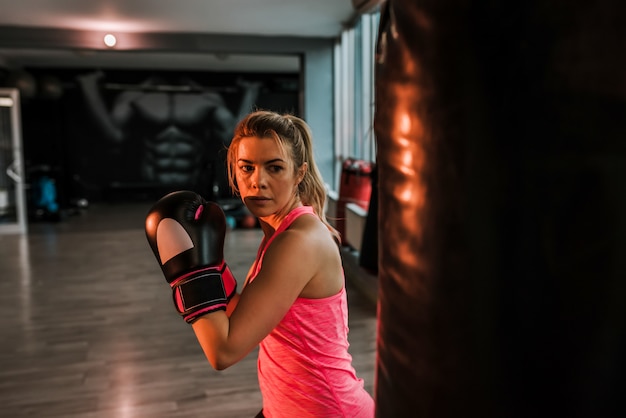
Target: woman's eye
{"type": "Point", "coordinates": [275, 168]}
{"type": "Point", "coordinates": [246, 168]}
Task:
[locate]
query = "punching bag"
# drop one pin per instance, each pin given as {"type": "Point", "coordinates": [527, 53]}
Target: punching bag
{"type": "Point", "coordinates": [501, 133]}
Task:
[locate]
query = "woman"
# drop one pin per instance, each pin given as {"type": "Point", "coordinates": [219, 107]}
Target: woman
{"type": "Point", "coordinates": [293, 302]}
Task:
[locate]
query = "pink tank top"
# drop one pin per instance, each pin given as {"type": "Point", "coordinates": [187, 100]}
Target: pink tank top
{"type": "Point", "coordinates": [305, 369]}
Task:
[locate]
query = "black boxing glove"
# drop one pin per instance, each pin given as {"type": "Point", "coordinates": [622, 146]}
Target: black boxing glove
{"type": "Point", "coordinates": [186, 234]}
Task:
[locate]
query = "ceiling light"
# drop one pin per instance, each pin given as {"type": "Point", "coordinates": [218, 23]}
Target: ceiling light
{"type": "Point", "coordinates": [110, 40]}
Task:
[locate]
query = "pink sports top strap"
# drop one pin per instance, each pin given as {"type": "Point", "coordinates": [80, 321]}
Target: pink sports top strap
{"type": "Point", "coordinates": [291, 216]}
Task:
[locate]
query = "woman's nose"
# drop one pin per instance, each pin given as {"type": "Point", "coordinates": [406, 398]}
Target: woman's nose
{"type": "Point", "coordinates": [258, 179]}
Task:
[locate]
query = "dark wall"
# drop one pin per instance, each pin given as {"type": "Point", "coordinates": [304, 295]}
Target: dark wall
{"type": "Point", "coordinates": [162, 133]}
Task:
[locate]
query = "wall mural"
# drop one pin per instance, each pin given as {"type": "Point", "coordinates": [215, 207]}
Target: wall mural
{"type": "Point", "coordinates": [136, 135]}
{"type": "Point", "coordinates": [180, 130]}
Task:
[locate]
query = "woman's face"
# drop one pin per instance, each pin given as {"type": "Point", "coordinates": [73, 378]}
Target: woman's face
{"type": "Point", "coordinates": [266, 177]}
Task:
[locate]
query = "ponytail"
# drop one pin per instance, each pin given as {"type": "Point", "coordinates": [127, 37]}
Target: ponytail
{"type": "Point", "coordinates": [311, 188]}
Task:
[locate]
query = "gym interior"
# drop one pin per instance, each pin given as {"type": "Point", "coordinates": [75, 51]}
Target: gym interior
{"type": "Point", "coordinates": [475, 162]}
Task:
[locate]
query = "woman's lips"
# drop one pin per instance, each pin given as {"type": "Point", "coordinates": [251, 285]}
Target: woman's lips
{"type": "Point", "coordinates": [258, 200]}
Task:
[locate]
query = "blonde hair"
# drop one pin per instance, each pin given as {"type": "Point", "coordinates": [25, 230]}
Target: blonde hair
{"type": "Point", "coordinates": [295, 138]}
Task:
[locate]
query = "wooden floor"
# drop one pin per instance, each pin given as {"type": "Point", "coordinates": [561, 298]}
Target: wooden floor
{"type": "Point", "coordinates": [88, 328]}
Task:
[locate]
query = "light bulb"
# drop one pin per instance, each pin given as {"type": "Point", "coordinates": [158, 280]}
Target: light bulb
{"type": "Point", "coordinates": [110, 40]}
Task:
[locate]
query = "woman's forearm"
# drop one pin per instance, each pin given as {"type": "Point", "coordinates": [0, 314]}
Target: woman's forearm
{"type": "Point", "coordinates": [212, 333]}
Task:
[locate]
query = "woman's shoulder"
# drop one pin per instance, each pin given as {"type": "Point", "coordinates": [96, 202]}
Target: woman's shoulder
{"type": "Point", "coordinates": [306, 229]}
{"type": "Point", "coordinates": [308, 223]}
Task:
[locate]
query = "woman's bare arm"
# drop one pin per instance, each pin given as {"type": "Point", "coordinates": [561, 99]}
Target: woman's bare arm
{"type": "Point", "coordinates": [289, 263]}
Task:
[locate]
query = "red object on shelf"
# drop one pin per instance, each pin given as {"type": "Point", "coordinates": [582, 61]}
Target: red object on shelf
{"type": "Point", "coordinates": [355, 187]}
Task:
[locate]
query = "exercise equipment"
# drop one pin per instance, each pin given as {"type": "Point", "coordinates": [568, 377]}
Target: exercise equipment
{"type": "Point", "coordinates": [501, 158]}
{"type": "Point", "coordinates": [186, 235]}
{"type": "Point", "coordinates": [355, 187]}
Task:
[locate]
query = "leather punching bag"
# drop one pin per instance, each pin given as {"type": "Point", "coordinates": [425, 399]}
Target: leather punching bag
{"type": "Point", "coordinates": [501, 130]}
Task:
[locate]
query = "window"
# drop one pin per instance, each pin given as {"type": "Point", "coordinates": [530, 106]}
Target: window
{"type": "Point", "coordinates": [354, 92]}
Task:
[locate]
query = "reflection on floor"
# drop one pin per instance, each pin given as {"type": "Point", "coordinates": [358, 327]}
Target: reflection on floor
{"type": "Point", "coordinates": [88, 328]}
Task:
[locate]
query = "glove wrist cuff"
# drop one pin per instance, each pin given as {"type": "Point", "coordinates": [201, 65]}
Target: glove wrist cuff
{"type": "Point", "coordinates": [201, 292]}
